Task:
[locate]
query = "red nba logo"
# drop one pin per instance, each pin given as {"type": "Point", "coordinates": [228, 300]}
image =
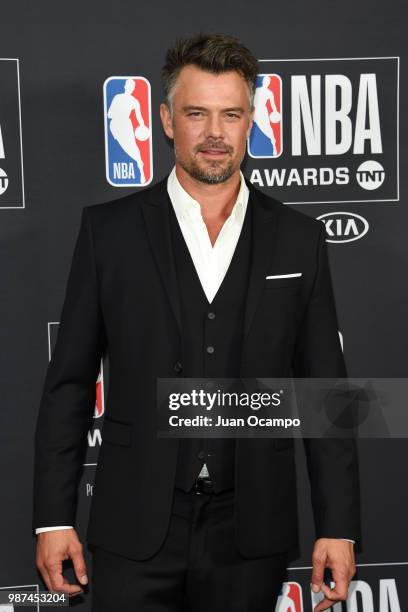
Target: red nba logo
{"type": "Point", "coordinates": [99, 404]}
{"type": "Point", "coordinates": [265, 139]}
{"type": "Point", "coordinates": [290, 599]}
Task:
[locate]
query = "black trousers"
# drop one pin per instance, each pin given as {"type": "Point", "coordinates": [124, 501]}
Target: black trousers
{"type": "Point", "coordinates": [197, 568]}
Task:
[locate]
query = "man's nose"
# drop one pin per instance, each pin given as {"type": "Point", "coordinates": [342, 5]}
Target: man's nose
{"type": "Point", "coordinates": [214, 126]}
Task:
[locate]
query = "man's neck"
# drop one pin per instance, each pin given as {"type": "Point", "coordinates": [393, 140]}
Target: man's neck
{"type": "Point", "coordinates": [216, 201]}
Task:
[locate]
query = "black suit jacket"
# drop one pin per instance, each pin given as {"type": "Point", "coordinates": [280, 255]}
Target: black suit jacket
{"type": "Point", "coordinates": [121, 297]}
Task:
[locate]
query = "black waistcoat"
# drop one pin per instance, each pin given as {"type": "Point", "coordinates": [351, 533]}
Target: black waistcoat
{"type": "Point", "coordinates": [211, 339]}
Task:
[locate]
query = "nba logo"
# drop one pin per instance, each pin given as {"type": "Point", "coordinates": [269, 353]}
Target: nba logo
{"type": "Point", "coordinates": [265, 139]}
{"type": "Point", "coordinates": [290, 599]}
{"type": "Point", "coordinates": [99, 403]}
{"type": "Point", "coordinates": [128, 132]}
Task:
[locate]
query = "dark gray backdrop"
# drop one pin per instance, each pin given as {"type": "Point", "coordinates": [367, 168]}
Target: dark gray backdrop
{"type": "Point", "coordinates": [65, 54]}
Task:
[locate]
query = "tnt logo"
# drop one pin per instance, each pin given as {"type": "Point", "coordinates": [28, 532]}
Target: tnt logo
{"type": "Point", "coordinates": [290, 599]}
{"type": "Point", "coordinates": [128, 140]}
{"type": "Point", "coordinates": [3, 181]}
{"type": "Point", "coordinates": [370, 175]}
{"type": "Point", "coordinates": [265, 139]}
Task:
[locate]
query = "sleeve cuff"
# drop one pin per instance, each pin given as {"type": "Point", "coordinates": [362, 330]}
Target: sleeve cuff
{"type": "Point", "coordinates": [348, 540]}
{"type": "Point", "coordinates": [41, 529]}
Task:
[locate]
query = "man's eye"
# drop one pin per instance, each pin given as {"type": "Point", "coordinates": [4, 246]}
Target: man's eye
{"type": "Point", "coordinates": [232, 116]}
{"type": "Point", "coordinates": [195, 113]}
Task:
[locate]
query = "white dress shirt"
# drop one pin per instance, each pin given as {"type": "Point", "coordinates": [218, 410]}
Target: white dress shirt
{"type": "Point", "coordinates": [211, 262]}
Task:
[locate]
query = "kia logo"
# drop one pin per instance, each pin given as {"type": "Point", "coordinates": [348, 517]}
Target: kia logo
{"type": "Point", "coordinates": [344, 226]}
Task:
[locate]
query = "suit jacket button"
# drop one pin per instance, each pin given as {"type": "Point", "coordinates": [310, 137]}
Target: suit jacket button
{"type": "Point", "coordinates": [178, 367]}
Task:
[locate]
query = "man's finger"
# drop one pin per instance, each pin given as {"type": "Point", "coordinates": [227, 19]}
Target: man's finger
{"type": "Point", "coordinates": [58, 582]}
{"type": "Point", "coordinates": [324, 604]}
{"type": "Point", "coordinates": [79, 566]}
{"type": "Point", "coordinates": [45, 576]}
{"type": "Point", "coordinates": [338, 592]}
{"type": "Point", "coordinates": [341, 581]}
{"type": "Point", "coordinates": [332, 596]}
{"type": "Point", "coordinates": [319, 563]}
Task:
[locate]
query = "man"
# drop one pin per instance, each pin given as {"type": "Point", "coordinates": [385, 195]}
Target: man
{"type": "Point", "coordinates": [171, 281]}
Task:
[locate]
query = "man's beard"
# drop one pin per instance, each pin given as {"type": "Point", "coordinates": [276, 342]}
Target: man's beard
{"type": "Point", "coordinates": [212, 174]}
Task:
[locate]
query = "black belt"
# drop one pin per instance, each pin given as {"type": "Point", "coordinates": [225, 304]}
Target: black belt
{"type": "Point", "coordinates": [203, 485]}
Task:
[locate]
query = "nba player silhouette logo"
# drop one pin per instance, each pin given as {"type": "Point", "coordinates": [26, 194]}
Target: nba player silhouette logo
{"type": "Point", "coordinates": [290, 598]}
{"type": "Point", "coordinates": [128, 133]}
{"type": "Point", "coordinates": [265, 139]}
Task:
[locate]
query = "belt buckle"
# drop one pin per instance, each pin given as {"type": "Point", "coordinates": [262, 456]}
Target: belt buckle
{"type": "Point", "coordinates": [200, 486]}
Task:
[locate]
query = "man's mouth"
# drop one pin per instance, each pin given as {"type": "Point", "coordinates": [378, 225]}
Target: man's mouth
{"type": "Point", "coordinates": [213, 152]}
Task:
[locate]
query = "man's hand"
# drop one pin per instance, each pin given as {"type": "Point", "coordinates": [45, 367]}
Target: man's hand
{"type": "Point", "coordinates": [53, 547]}
{"type": "Point", "coordinates": [338, 555]}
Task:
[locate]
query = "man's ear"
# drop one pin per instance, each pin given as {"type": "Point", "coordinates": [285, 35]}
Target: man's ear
{"type": "Point", "coordinates": [166, 120]}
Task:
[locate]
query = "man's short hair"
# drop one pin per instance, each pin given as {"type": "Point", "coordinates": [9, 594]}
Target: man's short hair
{"type": "Point", "coordinates": [214, 53]}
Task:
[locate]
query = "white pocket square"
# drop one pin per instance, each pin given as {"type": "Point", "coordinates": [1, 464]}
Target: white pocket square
{"type": "Point", "coordinates": [293, 275]}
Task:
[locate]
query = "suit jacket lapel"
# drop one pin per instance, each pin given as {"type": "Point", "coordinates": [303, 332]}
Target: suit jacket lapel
{"type": "Point", "coordinates": [265, 215]}
{"type": "Point", "coordinates": [157, 218]}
